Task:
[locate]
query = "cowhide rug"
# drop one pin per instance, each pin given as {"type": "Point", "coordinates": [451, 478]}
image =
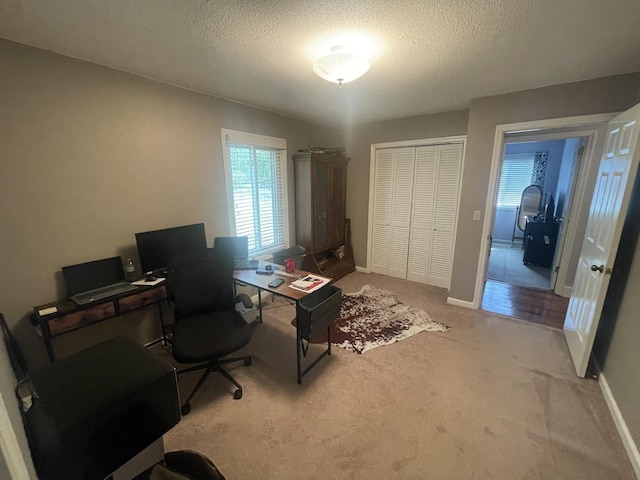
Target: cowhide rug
{"type": "Point", "coordinates": [374, 317]}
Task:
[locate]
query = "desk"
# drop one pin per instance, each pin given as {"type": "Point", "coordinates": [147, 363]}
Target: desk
{"type": "Point", "coordinates": [70, 317]}
{"type": "Point", "coordinates": [261, 282]}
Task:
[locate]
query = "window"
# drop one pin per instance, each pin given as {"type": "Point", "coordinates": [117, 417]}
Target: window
{"type": "Point", "coordinates": [517, 171]}
{"type": "Point", "coordinates": [255, 170]}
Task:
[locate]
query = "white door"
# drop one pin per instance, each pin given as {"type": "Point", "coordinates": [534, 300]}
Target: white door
{"type": "Point", "coordinates": [380, 235]}
{"type": "Point", "coordinates": [403, 166]}
{"type": "Point", "coordinates": [424, 191]}
{"type": "Point", "coordinates": [614, 183]}
{"type": "Point", "coordinates": [444, 215]}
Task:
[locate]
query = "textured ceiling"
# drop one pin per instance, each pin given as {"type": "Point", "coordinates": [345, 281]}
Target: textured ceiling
{"type": "Point", "coordinates": [432, 55]}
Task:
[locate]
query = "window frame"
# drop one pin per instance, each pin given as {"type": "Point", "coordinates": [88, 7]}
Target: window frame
{"type": "Point", "coordinates": [258, 141]}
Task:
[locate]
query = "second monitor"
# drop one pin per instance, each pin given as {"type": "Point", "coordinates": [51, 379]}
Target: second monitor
{"type": "Point", "coordinates": [156, 247]}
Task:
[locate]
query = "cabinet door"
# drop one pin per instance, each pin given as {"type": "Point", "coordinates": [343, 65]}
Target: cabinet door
{"type": "Point", "coordinates": [321, 183]}
{"type": "Point", "coordinates": [336, 205]}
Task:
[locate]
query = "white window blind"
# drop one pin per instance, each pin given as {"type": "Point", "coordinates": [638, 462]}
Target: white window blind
{"type": "Point", "coordinates": [255, 170]}
{"type": "Point", "coordinates": [516, 175]}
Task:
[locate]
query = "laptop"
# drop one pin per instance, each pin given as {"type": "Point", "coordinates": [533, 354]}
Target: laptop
{"type": "Point", "coordinates": [238, 248]}
{"type": "Point", "coordinates": [92, 281]}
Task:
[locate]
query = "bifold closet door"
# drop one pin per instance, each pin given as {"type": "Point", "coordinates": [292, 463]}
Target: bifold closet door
{"type": "Point", "coordinates": [435, 206]}
{"type": "Point", "coordinates": [445, 212]}
{"type": "Point", "coordinates": [414, 212]}
{"type": "Point", "coordinates": [424, 191]}
{"type": "Point", "coordinates": [393, 185]}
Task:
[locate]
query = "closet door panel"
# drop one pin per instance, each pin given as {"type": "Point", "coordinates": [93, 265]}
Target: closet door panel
{"type": "Point", "coordinates": [382, 201]}
{"type": "Point", "coordinates": [419, 251]}
{"type": "Point", "coordinates": [421, 215]}
{"type": "Point", "coordinates": [380, 250]}
{"type": "Point", "coordinates": [440, 261]}
{"type": "Point", "coordinates": [444, 214]}
{"type": "Point", "coordinates": [403, 171]}
{"type": "Point", "coordinates": [403, 167]}
{"type": "Point", "coordinates": [397, 253]}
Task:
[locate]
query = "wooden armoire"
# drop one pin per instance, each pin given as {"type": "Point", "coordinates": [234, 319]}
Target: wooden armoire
{"type": "Point", "coordinates": [321, 226]}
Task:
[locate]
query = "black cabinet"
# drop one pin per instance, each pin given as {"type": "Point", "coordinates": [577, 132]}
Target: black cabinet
{"type": "Point", "coordinates": [539, 242]}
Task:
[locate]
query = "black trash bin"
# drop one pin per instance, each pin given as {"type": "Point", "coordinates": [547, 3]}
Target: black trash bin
{"type": "Point", "coordinates": [297, 253]}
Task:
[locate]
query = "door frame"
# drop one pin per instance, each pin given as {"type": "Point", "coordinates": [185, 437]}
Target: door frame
{"type": "Point", "coordinates": [407, 143]}
{"type": "Point", "coordinates": [564, 125]}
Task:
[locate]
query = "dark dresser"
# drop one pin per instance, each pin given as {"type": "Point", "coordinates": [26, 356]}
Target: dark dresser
{"type": "Point", "coordinates": [540, 239]}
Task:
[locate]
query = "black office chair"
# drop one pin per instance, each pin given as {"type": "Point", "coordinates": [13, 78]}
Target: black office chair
{"type": "Point", "coordinates": [207, 326]}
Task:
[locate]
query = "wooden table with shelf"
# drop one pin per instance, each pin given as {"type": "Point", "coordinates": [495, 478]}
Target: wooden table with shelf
{"type": "Point", "coordinates": [70, 317]}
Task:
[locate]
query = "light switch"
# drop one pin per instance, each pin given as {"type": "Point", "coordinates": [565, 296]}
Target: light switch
{"type": "Point", "coordinates": [476, 215]}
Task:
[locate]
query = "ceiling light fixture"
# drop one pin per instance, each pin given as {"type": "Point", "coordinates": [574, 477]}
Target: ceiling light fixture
{"type": "Point", "coordinates": [340, 66]}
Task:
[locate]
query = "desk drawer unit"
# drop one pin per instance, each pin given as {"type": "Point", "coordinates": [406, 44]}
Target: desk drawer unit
{"type": "Point", "coordinates": [141, 299]}
{"type": "Point", "coordinates": [67, 316]}
{"type": "Point", "coordinates": [74, 320]}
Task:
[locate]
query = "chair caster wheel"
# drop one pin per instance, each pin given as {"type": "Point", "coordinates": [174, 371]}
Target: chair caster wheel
{"type": "Point", "coordinates": [185, 409]}
{"type": "Point", "coordinates": [247, 361]}
{"type": "Point", "coordinates": [237, 395]}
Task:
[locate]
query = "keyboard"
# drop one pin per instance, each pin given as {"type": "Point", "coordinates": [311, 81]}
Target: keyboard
{"type": "Point", "coordinates": [102, 292]}
{"type": "Point", "coordinates": [245, 264]}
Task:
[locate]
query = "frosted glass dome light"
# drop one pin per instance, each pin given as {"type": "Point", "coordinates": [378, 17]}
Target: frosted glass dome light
{"type": "Point", "coordinates": [340, 66]}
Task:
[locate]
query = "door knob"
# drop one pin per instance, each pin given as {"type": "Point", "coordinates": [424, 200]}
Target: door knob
{"type": "Point", "coordinates": [596, 268]}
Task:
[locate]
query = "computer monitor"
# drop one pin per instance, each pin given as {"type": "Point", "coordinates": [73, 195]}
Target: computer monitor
{"type": "Point", "coordinates": [155, 248]}
{"type": "Point", "coordinates": [237, 247]}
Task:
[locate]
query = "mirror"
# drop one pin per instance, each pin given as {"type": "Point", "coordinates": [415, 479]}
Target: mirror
{"type": "Point", "coordinates": [529, 204]}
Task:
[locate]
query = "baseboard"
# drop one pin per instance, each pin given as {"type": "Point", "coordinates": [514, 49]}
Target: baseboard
{"type": "Point", "coordinates": [461, 303]}
{"type": "Point", "coordinates": [362, 269]}
{"type": "Point", "coordinates": [627, 440]}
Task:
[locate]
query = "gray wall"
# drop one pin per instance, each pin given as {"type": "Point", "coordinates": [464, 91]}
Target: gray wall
{"type": "Point", "coordinates": [616, 344]}
{"type": "Point", "coordinates": [89, 156]}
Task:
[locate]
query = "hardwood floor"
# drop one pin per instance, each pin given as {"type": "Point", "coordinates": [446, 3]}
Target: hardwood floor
{"type": "Point", "coordinates": [530, 304]}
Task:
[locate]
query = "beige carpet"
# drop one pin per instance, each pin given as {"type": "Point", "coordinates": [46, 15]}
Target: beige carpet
{"type": "Point", "coordinates": [493, 398]}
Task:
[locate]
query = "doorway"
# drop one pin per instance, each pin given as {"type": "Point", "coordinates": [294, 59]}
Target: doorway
{"type": "Point", "coordinates": [581, 136]}
{"type": "Point", "coordinates": [547, 167]}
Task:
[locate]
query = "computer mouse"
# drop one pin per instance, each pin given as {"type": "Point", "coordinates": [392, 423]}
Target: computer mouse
{"type": "Point", "coordinates": [149, 278]}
